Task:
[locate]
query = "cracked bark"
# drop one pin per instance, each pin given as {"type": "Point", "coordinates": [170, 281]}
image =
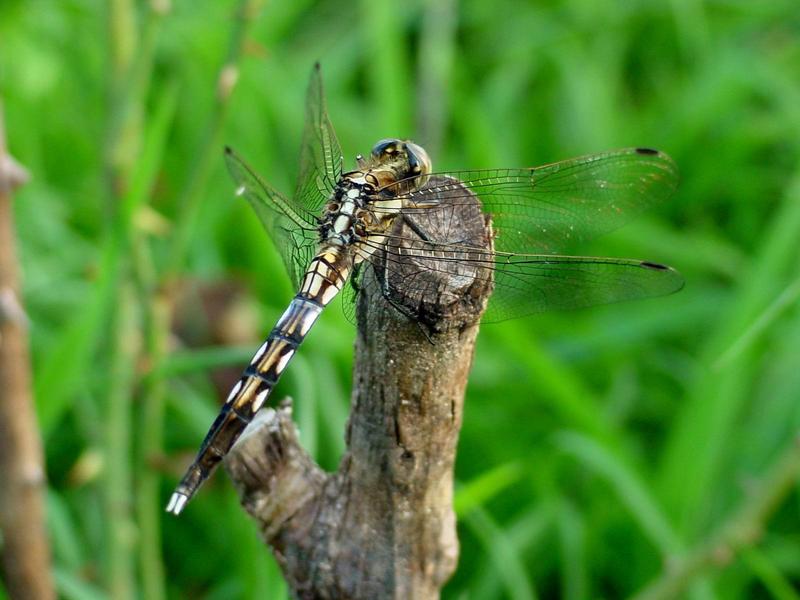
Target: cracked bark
{"type": "Point", "coordinates": [25, 550]}
{"type": "Point", "coordinates": [383, 525]}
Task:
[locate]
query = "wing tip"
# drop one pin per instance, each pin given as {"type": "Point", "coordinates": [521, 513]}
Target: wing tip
{"type": "Point", "coordinates": [655, 266]}
{"type": "Point", "coordinates": [677, 281]}
{"type": "Point", "coordinates": [668, 168]}
{"type": "Point", "coordinates": [655, 153]}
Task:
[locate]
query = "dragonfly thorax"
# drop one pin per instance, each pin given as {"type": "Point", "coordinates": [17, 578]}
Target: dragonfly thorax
{"type": "Point", "coordinates": [348, 216]}
{"type": "Point", "coordinates": [366, 201]}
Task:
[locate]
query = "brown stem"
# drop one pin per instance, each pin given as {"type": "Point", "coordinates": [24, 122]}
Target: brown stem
{"type": "Point", "coordinates": [25, 549]}
{"type": "Point", "coordinates": [383, 525]}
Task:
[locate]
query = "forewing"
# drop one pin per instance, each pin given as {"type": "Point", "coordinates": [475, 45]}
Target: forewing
{"type": "Point", "coordinates": [290, 227]}
{"type": "Point", "coordinates": [547, 209]}
{"type": "Point", "coordinates": [320, 153]}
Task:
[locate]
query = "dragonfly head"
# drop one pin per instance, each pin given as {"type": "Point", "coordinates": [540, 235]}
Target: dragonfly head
{"type": "Point", "coordinates": [403, 158]}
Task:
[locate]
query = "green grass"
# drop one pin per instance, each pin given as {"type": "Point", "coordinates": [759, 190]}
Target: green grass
{"type": "Point", "coordinates": [596, 445]}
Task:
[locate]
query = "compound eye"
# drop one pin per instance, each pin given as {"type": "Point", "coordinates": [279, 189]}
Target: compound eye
{"type": "Point", "coordinates": [385, 147]}
{"type": "Point", "coordinates": [418, 160]}
{"type": "Point", "coordinates": [413, 163]}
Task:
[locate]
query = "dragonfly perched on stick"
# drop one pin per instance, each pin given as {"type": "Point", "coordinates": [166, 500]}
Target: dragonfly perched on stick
{"type": "Point", "coordinates": [336, 223]}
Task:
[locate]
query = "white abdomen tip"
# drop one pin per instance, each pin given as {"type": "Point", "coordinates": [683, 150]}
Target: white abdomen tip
{"type": "Point", "coordinates": [176, 503]}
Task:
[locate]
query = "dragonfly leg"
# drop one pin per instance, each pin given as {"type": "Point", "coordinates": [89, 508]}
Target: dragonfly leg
{"type": "Point", "coordinates": [415, 227]}
{"type": "Point", "coordinates": [407, 312]}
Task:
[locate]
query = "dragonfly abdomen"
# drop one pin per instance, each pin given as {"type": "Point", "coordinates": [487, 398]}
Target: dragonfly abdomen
{"type": "Point", "coordinates": [324, 278]}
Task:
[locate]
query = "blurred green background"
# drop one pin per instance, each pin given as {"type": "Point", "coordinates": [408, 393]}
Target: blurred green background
{"type": "Point", "coordinates": [601, 450]}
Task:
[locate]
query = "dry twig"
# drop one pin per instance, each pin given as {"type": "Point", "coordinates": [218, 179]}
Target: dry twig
{"type": "Point", "coordinates": [25, 549]}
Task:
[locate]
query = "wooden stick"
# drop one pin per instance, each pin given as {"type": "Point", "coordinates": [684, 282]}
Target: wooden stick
{"type": "Point", "coordinates": [25, 549]}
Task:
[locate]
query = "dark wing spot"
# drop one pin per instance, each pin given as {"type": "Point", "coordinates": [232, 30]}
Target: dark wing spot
{"type": "Point", "coordinates": [651, 265]}
{"type": "Point", "coordinates": [650, 151]}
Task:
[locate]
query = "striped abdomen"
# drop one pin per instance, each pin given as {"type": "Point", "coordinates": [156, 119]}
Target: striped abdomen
{"type": "Point", "coordinates": [324, 278]}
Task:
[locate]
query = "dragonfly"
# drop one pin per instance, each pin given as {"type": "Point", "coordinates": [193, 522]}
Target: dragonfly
{"type": "Point", "coordinates": [336, 223]}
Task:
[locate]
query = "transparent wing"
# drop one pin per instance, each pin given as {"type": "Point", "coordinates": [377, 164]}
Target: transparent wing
{"type": "Point", "coordinates": [320, 153]}
{"type": "Point", "coordinates": [289, 225]}
{"type": "Point", "coordinates": [539, 283]}
{"type": "Point", "coordinates": [437, 247]}
{"type": "Point", "coordinates": [533, 284]}
{"type": "Point", "coordinates": [353, 287]}
{"type": "Point", "coordinates": [549, 208]}
{"type": "Point", "coordinates": [529, 283]}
